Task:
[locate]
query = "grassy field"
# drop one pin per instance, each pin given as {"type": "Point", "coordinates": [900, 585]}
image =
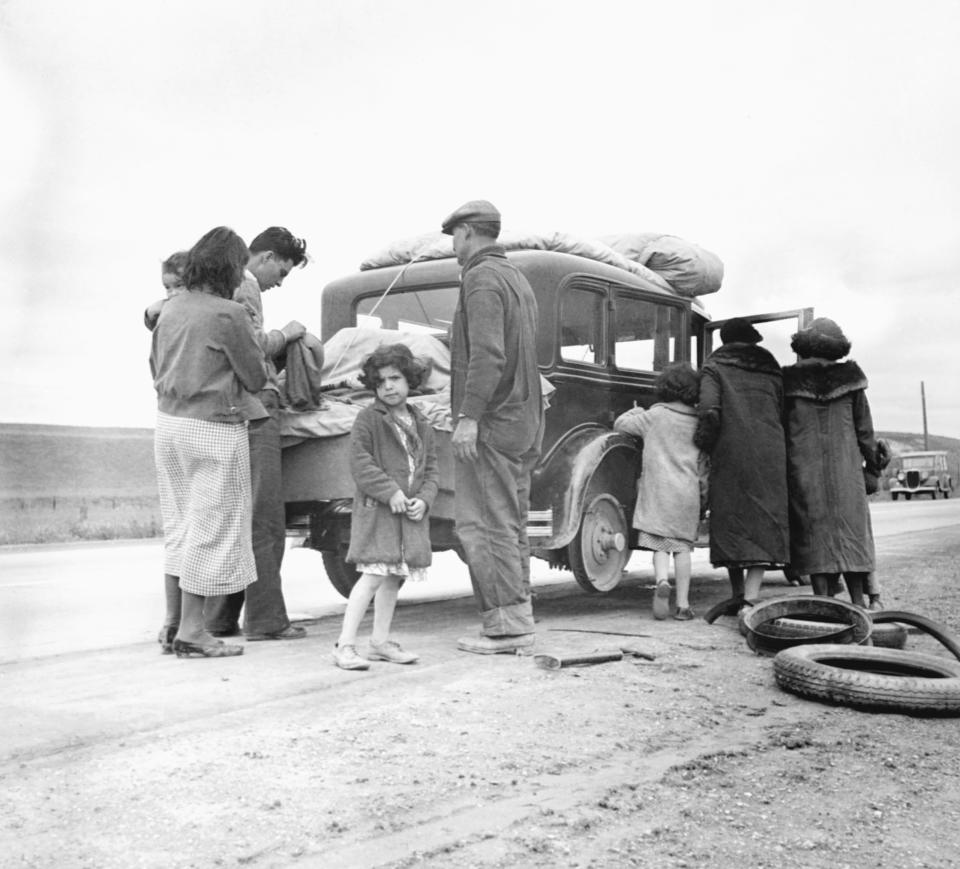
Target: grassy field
{"type": "Point", "coordinates": [62, 483]}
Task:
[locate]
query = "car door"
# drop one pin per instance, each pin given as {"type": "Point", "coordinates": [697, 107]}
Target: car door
{"type": "Point", "coordinates": [777, 330]}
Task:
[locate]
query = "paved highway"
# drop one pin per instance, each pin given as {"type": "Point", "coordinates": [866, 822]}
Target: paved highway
{"type": "Point", "coordinates": [58, 599]}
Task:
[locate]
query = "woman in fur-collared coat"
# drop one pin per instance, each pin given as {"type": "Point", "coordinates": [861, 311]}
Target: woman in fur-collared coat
{"type": "Point", "coordinates": [740, 427]}
{"type": "Point", "coordinates": [829, 437]}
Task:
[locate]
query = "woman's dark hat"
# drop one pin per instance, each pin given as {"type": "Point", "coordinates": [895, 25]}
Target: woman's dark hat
{"type": "Point", "coordinates": [739, 330]}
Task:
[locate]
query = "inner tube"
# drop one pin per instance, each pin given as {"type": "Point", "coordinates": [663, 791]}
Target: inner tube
{"type": "Point", "coordinates": [846, 623]}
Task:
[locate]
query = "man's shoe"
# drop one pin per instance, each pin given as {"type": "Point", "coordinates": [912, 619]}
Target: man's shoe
{"type": "Point", "coordinates": [391, 651]}
{"type": "Point", "coordinates": [290, 632]}
{"type": "Point", "coordinates": [346, 658]}
{"type": "Point", "coordinates": [227, 632]}
{"type": "Point", "coordinates": [507, 645]}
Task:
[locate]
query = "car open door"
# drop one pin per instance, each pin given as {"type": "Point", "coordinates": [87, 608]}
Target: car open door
{"type": "Point", "coordinates": [777, 329]}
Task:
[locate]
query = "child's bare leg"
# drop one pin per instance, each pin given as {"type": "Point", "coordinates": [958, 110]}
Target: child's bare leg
{"type": "Point", "coordinates": [752, 583]}
{"type": "Point", "coordinates": [661, 594]}
{"type": "Point", "coordinates": [682, 565]}
{"type": "Point", "coordinates": [661, 566]}
{"type": "Point", "coordinates": [855, 582]}
{"type": "Point", "coordinates": [384, 604]}
{"type": "Point", "coordinates": [357, 604]}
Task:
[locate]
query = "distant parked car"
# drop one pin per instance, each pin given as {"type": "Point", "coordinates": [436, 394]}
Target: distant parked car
{"type": "Point", "coordinates": [923, 473]}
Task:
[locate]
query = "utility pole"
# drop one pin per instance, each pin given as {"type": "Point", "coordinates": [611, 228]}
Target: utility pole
{"type": "Point", "coordinates": [923, 401]}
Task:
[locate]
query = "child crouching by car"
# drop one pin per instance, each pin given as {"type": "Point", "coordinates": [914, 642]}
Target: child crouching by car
{"type": "Point", "coordinates": [670, 490]}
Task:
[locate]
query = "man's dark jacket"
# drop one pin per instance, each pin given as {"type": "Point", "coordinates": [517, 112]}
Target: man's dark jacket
{"type": "Point", "coordinates": [494, 354]}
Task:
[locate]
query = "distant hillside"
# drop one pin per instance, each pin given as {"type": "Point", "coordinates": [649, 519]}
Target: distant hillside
{"type": "Point", "coordinates": [48, 460]}
{"type": "Point", "coordinates": [61, 460]}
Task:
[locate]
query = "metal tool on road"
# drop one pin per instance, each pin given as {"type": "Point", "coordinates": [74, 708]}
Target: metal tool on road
{"type": "Point", "coordinates": [556, 662]}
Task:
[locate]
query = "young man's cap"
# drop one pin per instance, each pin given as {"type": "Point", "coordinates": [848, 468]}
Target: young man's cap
{"type": "Point", "coordinates": [474, 211]}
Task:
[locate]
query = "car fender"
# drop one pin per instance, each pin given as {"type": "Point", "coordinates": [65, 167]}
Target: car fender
{"type": "Point", "coordinates": [585, 461]}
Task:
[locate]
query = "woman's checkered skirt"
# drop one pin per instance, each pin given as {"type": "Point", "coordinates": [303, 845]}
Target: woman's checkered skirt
{"type": "Point", "coordinates": [203, 473]}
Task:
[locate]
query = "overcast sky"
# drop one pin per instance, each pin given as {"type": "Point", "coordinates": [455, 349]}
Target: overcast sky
{"type": "Point", "coordinates": [812, 145]}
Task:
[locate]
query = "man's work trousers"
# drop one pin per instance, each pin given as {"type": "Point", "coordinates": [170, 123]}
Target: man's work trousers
{"type": "Point", "coordinates": [266, 610]}
{"type": "Point", "coordinates": [491, 504]}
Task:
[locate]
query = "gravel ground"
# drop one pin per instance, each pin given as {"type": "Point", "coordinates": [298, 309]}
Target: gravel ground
{"type": "Point", "coordinates": [694, 759]}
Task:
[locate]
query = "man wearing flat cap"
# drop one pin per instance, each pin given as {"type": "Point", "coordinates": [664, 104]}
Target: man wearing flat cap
{"type": "Point", "coordinates": [497, 405]}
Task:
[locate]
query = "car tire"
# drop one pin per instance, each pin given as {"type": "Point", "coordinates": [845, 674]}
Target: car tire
{"type": "Point", "coordinates": [598, 553]}
{"type": "Point", "coordinates": [867, 677]}
{"type": "Point", "coordinates": [343, 576]}
{"type": "Point", "coordinates": [836, 622]}
{"type": "Point", "coordinates": [894, 496]}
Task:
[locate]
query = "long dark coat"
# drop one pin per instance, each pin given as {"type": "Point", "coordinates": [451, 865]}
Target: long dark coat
{"type": "Point", "coordinates": [829, 435]}
{"type": "Point", "coordinates": [378, 462]}
{"type": "Point", "coordinates": [741, 403]}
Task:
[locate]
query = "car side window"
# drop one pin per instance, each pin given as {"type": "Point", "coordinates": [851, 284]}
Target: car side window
{"type": "Point", "coordinates": [647, 335]}
{"type": "Point", "coordinates": [581, 326]}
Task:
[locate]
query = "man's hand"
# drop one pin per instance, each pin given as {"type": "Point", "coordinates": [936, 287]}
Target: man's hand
{"type": "Point", "coordinates": [398, 502]}
{"type": "Point", "coordinates": [416, 509]}
{"type": "Point", "coordinates": [293, 330]}
{"type": "Point", "coordinates": [464, 440]}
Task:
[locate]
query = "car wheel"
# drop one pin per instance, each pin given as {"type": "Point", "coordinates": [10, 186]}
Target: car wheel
{"type": "Point", "coordinates": [343, 576]}
{"type": "Point", "coordinates": [907, 495]}
{"type": "Point", "coordinates": [598, 553]}
{"type": "Point", "coordinates": [894, 496]}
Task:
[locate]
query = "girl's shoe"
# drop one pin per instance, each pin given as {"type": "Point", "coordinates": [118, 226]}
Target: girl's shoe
{"type": "Point", "coordinates": [219, 649]}
{"type": "Point", "coordinates": [165, 639]}
{"type": "Point", "coordinates": [661, 600]}
{"type": "Point", "coordinates": [346, 658]}
{"type": "Point", "coordinates": [684, 614]}
{"type": "Point", "coordinates": [391, 651]}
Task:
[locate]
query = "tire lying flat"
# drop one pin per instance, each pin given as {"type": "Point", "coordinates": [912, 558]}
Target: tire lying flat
{"type": "Point", "coordinates": [867, 677]}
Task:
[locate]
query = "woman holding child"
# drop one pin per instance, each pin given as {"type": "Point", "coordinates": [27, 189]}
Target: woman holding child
{"type": "Point", "coordinates": [206, 365]}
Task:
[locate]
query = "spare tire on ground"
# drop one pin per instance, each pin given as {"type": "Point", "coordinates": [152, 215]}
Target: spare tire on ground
{"type": "Point", "coordinates": [889, 635]}
{"type": "Point", "coordinates": [835, 622]}
{"type": "Point", "coordinates": [866, 677]}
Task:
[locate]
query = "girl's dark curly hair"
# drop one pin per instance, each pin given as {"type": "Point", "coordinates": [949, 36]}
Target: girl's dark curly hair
{"type": "Point", "coordinates": [808, 343]}
{"type": "Point", "coordinates": [678, 382]}
{"type": "Point", "coordinates": [216, 261]}
{"type": "Point", "coordinates": [397, 355]}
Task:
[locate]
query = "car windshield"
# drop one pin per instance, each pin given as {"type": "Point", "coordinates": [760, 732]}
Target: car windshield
{"type": "Point", "coordinates": [425, 311]}
{"type": "Point", "coordinates": [917, 463]}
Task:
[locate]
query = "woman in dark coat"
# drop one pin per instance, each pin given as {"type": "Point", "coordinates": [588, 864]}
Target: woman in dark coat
{"type": "Point", "coordinates": [740, 427]}
{"type": "Point", "coordinates": [829, 437]}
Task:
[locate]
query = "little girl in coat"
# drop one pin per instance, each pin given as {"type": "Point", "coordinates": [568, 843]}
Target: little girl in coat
{"type": "Point", "coordinates": [669, 494]}
{"type": "Point", "coordinates": [394, 465]}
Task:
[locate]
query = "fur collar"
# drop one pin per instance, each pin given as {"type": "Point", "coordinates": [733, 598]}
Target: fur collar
{"type": "Point", "coordinates": [823, 381]}
{"type": "Point", "coordinates": [747, 356]}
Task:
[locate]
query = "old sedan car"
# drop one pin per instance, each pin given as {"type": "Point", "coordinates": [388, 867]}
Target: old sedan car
{"type": "Point", "coordinates": [604, 334]}
{"type": "Point", "coordinates": [922, 473]}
